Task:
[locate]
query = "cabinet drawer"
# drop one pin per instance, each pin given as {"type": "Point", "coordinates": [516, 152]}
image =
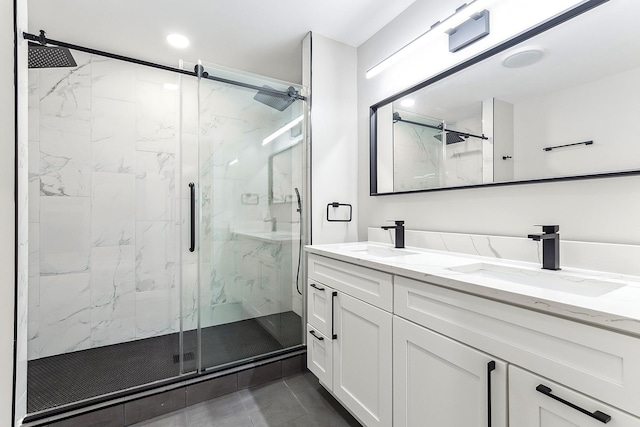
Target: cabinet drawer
{"type": "Point", "coordinates": [320, 356]}
{"type": "Point", "coordinates": [531, 408]}
{"type": "Point", "coordinates": [600, 363]}
{"type": "Point", "coordinates": [372, 286]}
{"type": "Point", "coordinates": [319, 300]}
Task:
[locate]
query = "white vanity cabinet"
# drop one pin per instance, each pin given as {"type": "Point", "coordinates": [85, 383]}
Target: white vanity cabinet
{"type": "Point", "coordinates": [438, 382]}
{"type": "Point", "coordinates": [533, 406]}
{"type": "Point", "coordinates": [595, 362]}
{"type": "Point", "coordinates": [349, 343]}
{"type": "Point", "coordinates": [460, 359]}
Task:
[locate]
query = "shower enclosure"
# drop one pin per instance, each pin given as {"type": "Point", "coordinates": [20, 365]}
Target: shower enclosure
{"type": "Point", "coordinates": [165, 227]}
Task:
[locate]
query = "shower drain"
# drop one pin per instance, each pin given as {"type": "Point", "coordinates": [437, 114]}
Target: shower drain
{"type": "Point", "coordinates": [187, 357]}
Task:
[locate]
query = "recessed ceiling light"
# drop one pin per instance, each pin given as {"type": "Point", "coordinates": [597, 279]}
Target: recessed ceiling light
{"type": "Point", "coordinates": [170, 86]}
{"type": "Point", "coordinates": [408, 102]}
{"type": "Point", "coordinates": [178, 40]}
{"type": "Point", "coordinates": [523, 58]}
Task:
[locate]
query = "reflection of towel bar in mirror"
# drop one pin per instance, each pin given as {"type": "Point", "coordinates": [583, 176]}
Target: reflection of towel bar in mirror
{"type": "Point", "coordinates": [568, 145]}
{"type": "Point", "coordinates": [397, 118]}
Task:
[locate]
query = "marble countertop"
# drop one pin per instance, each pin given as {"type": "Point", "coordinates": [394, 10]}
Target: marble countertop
{"type": "Point", "coordinates": [603, 299]}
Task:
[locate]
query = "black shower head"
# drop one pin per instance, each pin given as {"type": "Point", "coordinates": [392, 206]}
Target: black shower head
{"type": "Point", "coordinates": [41, 56]}
{"type": "Point", "coordinates": [273, 99]}
{"type": "Point", "coordinates": [452, 137]}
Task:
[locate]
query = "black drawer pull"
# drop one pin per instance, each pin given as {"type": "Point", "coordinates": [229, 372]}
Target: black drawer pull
{"type": "Point", "coordinates": [491, 366]}
{"type": "Point", "coordinates": [313, 285]}
{"type": "Point", "coordinates": [600, 416]}
{"type": "Point", "coordinates": [316, 336]}
{"type": "Point", "coordinates": [334, 294]}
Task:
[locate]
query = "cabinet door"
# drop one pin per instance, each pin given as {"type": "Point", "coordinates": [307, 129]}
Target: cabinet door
{"type": "Point", "coordinates": [362, 365]}
{"type": "Point", "coordinates": [439, 382]}
{"type": "Point", "coordinates": [319, 306]}
{"type": "Point", "coordinates": [529, 407]}
{"type": "Point", "coordinates": [320, 356]}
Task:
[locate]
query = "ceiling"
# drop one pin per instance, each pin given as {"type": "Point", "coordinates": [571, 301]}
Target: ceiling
{"type": "Point", "coordinates": [258, 36]}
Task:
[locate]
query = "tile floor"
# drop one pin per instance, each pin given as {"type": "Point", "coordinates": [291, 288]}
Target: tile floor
{"type": "Point", "coordinates": [297, 400]}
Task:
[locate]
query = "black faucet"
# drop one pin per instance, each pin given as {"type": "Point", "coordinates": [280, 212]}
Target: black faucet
{"type": "Point", "coordinates": [399, 233]}
{"type": "Point", "coordinates": [550, 246]}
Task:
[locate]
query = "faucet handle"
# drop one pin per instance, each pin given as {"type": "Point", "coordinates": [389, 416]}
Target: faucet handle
{"type": "Point", "coordinates": [549, 228]}
{"type": "Point", "coordinates": [399, 222]}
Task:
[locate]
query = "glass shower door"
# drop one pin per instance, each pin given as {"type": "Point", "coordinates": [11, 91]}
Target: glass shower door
{"type": "Point", "coordinates": [250, 157]}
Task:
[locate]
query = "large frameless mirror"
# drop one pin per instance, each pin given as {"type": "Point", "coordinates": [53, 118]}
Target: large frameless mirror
{"type": "Point", "coordinates": [558, 102]}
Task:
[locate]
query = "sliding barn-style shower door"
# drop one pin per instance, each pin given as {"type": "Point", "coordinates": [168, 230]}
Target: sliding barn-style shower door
{"type": "Point", "coordinates": [242, 160]}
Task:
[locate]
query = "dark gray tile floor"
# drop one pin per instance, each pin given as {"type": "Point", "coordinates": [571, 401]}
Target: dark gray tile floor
{"type": "Point", "coordinates": [70, 377]}
{"type": "Point", "coordinates": [297, 400]}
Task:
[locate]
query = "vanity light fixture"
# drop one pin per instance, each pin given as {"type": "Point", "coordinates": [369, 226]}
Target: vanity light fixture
{"type": "Point", "coordinates": [461, 15]}
{"type": "Point", "coordinates": [282, 130]}
{"type": "Point", "coordinates": [178, 41]}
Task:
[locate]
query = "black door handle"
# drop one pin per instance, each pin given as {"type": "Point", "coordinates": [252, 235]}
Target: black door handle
{"type": "Point", "coordinates": [600, 416]}
{"type": "Point", "coordinates": [491, 366]}
{"type": "Point", "coordinates": [313, 285]}
{"type": "Point", "coordinates": [192, 189]}
{"type": "Point", "coordinates": [334, 294]}
{"type": "Point", "coordinates": [316, 336]}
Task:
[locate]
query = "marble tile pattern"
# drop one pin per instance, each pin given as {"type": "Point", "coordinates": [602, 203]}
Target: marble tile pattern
{"type": "Point", "coordinates": [111, 155]}
{"type": "Point", "coordinates": [417, 157]}
{"type": "Point", "coordinates": [421, 161]}
{"type": "Point", "coordinates": [102, 205]}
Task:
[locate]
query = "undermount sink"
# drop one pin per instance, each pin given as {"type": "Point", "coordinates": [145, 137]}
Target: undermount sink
{"type": "Point", "coordinates": [380, 251]}
{"type": "Point", "coordinates": [555, 281]}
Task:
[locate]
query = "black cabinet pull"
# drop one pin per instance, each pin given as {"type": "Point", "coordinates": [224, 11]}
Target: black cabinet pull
{"type": "Point", "coordinates": [600, 416]}
{"type": "Point", "coordinates": [192, 189]}
{"type": "Point", "coordinates": [491, 366]}
{"type": "Point", "coordinates": [313, 285]}
{"type": "Point", "coordinates": [334, 294]}
{"type": "Point", "coordinates": [316, 336]}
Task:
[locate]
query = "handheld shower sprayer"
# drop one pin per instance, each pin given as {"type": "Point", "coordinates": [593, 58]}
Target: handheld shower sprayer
{"type": "Point", "coordinates": [299, 202]}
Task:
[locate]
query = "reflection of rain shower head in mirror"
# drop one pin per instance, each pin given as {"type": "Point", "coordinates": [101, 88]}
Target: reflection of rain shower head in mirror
{"type": "Point", "coordinates": [559, 86]}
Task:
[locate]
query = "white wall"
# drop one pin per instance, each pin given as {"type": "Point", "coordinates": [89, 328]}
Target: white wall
{"type": "Point", "coordinates": [601, 210]}
{"type": "Point", "coordinates": [333, 137]}
{"type": "Point", "coordinates": [576, 114]}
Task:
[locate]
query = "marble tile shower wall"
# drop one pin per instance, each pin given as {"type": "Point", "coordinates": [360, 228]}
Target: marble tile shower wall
{"type": "Point", "coordinates": [103, 246]}
{"type": "Point", "coordinates": [232, 126]}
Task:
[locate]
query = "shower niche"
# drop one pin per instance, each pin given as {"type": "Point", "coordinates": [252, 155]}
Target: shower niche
{"type": "Point", "coordinates": [116, 299]}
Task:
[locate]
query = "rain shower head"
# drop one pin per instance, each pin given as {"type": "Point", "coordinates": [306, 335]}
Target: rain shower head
{"type": "Point", "coordinates": [41, 56]}
{"type": "Point", "coordinates": [452, 137]}
{"type": "Point", "coordinates": [273, 99]}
